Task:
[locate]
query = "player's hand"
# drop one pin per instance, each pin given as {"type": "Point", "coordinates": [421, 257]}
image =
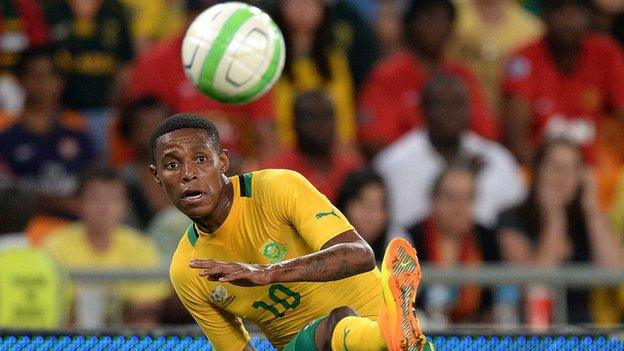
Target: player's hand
{"type": "Point", "coordinates": [242, 274]}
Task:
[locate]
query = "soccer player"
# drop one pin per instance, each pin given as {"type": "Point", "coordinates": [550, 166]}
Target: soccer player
{"type": "Point", "coordinates": [269, 248]}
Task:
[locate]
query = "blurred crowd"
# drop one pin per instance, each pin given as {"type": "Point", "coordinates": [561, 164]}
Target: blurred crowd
{"type": "Point", "coordinates": [483, 131]}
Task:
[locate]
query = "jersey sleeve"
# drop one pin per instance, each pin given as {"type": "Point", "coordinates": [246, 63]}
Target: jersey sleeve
{"type": "Point", "coordinates": [225, 331]}
{"type": "Point", "coordinates": [296, 201]}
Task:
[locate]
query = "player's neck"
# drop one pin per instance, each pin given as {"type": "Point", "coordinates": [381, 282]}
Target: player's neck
{"type": "Point", "coordinates": [214, 220]}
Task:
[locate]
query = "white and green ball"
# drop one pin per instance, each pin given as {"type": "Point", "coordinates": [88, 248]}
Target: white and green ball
{"type": "Point", "coordinates": [233, 52]}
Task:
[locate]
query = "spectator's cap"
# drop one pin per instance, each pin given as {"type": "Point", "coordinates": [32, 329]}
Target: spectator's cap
{"type": "Point", "coordinates": [548, 5]}
{"type": "Point", "coordinates": [415, 7]}
{"type": "Point", "coordinates": [198, 5]}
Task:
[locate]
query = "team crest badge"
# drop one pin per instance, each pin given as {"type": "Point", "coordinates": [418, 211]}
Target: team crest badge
{"type": "Point", "coordinates": [274, 252]}
{"type": "Point", "coordinates": [220, 296]}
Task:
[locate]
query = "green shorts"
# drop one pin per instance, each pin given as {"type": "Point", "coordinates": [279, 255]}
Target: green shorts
{"type": "Point", "coordinates": [305, 339]}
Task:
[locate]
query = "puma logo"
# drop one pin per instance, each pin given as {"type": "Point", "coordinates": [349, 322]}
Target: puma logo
{"type": "Point", "coordinates": [323, 214]}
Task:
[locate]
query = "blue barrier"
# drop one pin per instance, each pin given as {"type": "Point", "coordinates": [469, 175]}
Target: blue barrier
{"type": "Point", "coordinates": [442, 343]}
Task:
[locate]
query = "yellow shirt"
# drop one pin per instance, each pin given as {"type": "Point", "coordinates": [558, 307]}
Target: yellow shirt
{"type": "Point", "coordinates": [486, 47]}
{"type": "Point", "coordinates": [339, 89]}
{"type": "Point", "coordinates": [276, 215]}
{"type": "Point", "coordinates": [129, 250]}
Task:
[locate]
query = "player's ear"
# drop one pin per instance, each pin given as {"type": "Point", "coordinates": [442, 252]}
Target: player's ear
{"type": "Point", "coordinates": [224, 161]}
{"type": "Point", "coordinates": [154, 172]}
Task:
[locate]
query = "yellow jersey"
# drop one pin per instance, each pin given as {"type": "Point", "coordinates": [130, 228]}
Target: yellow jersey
{"type": "Point", "coordinates": [276, 215]}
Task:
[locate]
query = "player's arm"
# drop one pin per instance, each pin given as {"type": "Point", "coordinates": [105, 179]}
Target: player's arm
{"type": "Point", "coordinates": [343, 256]}
{"type": "Point", "coordinates": [339, 251]}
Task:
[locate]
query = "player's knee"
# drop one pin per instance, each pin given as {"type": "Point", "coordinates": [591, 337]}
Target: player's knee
{"type": "Point", "coordinates": [333, 318]}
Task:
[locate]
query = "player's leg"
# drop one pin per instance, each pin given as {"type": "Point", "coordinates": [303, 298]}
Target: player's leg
{"type": "Point", "coordinates": [400, 277]}
{"type": "Point", "coordinates": [343, 329]}
{"type": "Point", "coordinates": [398, 328]}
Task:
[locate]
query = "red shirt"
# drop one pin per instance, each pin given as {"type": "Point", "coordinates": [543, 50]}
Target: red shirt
{"type": "Point", "coordinates": [159, 73]}
{"type": "Point", "coordinates": [390, 99]}
{"type": "Point", "coordinates": [22, 25]}
{"type": "Point", "coordinates": [568, 104]}
{"type": "Point", "coordinates": [327, 183]}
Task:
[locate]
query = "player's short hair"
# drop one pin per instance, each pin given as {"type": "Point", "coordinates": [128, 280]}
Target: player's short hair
{"type": "Point", "coordinates": [97, 173]}
{"type": "Point", "coordinates": [183, 121]}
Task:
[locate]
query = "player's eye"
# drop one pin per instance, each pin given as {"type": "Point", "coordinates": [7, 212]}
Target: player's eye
{"type": "Point", "coordinates": [171, 165]}
{"type": "Point", "coordinates": [202, 159]}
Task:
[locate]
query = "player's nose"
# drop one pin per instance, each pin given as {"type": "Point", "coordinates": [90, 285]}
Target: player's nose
{"type": "Point", "coordinates": [189, 172]}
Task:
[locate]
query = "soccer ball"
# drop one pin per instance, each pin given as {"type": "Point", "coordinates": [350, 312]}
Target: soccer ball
{"type": "Point", "coordinates": [233, 52]}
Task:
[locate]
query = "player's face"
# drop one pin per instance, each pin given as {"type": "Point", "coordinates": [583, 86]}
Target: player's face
{"type": "Point", "coordinates": [190, 171]}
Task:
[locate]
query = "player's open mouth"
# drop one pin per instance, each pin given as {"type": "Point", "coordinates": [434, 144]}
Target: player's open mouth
{"type": "Point", "coordinates": [191, 197]}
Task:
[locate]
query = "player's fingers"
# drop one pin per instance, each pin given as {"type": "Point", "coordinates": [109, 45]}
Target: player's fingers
{"type": "Point", "coordinates": [196, 263]}
{"type": "Point", "coordinates": [233, 276]}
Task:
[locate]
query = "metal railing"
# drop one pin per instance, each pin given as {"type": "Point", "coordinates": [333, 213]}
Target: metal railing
{"type": "Point", "coordinates": [559, 279]}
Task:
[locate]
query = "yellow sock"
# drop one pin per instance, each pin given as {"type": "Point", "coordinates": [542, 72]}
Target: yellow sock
{"type": "Point", "coordinates": [357, 334]}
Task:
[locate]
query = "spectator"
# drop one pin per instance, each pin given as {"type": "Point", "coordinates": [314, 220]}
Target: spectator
{"type": "Point", "coordinates": [46, 148]}
{"type": "Point", "coordinates": [94, 45]}
{"type": "Point", "coordinates": [171, 86]}
{"type": "Point", "coordinates": [560, 222]}
{"type": "Point", "coordinates": [32, 288]}
{"type": "Point", "coordinates": [390, 101]}
{"type": "Point", "coordinates": [313, 61]}
{"type": "Point", "coordinates": [99, 241]}
{"type": "Point", "coordinates": [363, 198]}
{"type": "Point", "coordinates": [138, 119]}
{"type": "Point", "coordinates": [561, 84]}
{"type": "Point", "coordinates": [22, 25]}
{"type": "Point", "coordinates": [487, 32]}
{"type": "Point", "coordinates": [410, 165]}
{"type": "Point", "coordinates": [316, 156]}
{"type": "Point", "coordinates": [450, 237]}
